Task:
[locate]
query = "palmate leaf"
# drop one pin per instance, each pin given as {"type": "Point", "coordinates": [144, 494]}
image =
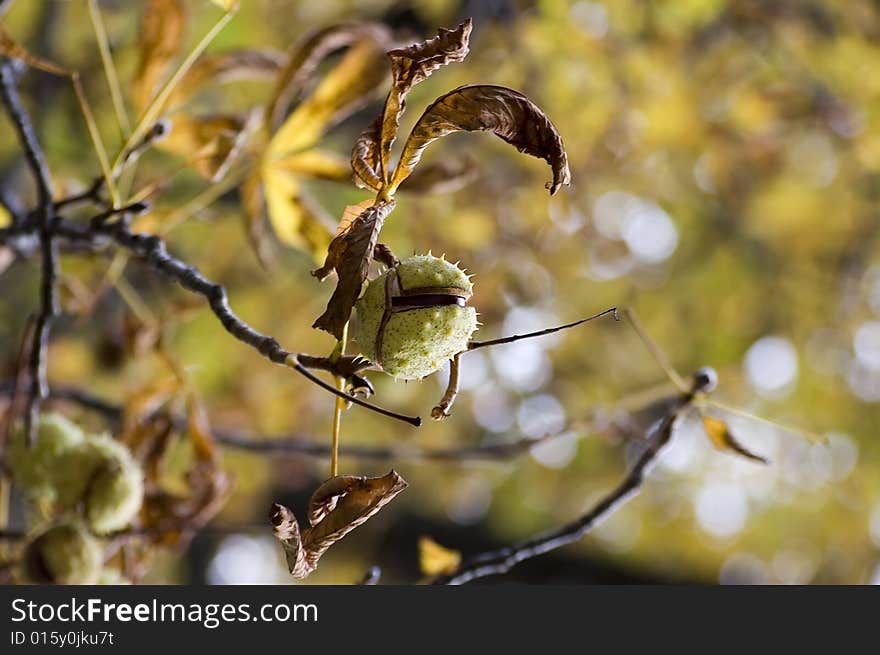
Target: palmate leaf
{"type": "Point", "coordinates": [208, 143]}
{"type": "Point", "coordinates": [409, 66]}
{"type": "Point", "coordinates": [291, 155]}
{"type": "Point", "coordinates": [337, 507]}
{"type": "Point", "coordinates": [506, 113]}
{"type": "Point", "coordinates": [308, 53]}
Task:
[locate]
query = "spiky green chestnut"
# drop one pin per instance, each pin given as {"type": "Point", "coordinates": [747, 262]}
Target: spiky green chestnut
{"type": "Point", "coordinates": [64, 554]}
{"type": "Point", "coordinates": [414, 317]}
{"type": "Point", "coordinates": [36, 468]}
{"type": "Point", "coordinates": [114, 489]}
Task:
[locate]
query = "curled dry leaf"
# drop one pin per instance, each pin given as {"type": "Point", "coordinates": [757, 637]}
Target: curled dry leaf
{"type": "Point", "coordinates": [721, 437]}
{"type": "Point", "coordinates": [506, 113]}
{"type": "Point", "coordinates": [365, 157]}
{"type": "Point", "coordinates": [350, 255]}
{"type": "Point", "coordinates": [161, 36]}
{"type": "Point", "coordinates": [409, 66]}
{"type": "Point", "coordinates": [337, 507]}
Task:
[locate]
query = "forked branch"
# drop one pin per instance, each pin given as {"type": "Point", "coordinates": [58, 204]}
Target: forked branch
{"type": "Point", "coordinates": [500, 561]}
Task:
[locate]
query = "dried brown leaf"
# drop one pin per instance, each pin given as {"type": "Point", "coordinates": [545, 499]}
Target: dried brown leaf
{"type": "Point", "coordinates": [412, 65]}
{"type": "Point", "coordinates": [365, 157]}
{"type": "Point", "coordinates": [350, 255]}
{"type": "Point", "coordinates": [337, 507]}
{"type": "Point", "coordinates": [308, 53]}
{"type": "Point", "coordinates": [506, 113]}
{"type": "Point", "coordinates": [161, 37]}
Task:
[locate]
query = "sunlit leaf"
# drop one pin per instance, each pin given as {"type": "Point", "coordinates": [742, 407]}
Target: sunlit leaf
{"type": "Point", "coordinates": [721, 437]}
{"type": "Point", "coordinates": [350, 255]}
{"type": "Point", "coordinates": [296, 221]}
{"type": "Point", "coordinates": [344, 89]}
{"type": "Point", "coordinates": [435, 559]}
{"type": "Point", "coordinates": [161, 38]}
{"type": "Point", "coordinates": [506, 113]}
{"type": "Point", "coordinates": [336, 508]}
{"type": "Point", "coordinates": [321, 164]}
{"type": "Point", "coordinates": [308, 53]}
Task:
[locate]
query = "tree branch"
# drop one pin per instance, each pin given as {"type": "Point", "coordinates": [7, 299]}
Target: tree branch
{"type": "Point", "coordinates": [298, 445]}
{"type": "Point", "coordinates": [152, 249]}
{"type": "Point", "coordinates": [501, 561]}
{"type": "Point", "coordinates": [49, 305]}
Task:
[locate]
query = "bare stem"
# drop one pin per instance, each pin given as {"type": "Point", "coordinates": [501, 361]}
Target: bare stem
{"type": "Point", "coordinates": [473, 345]}
{"type": "Point", "coordinates": [39, 388]}
{"type": "Point", "coordinates": [442, 408]}
{"type": "Point", "coordinates": [151, 249]}
{"type": "Point", "coordinates": [501, 561]}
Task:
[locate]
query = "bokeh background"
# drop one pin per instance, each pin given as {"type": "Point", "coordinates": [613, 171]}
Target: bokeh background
{"type": "Point", "coordinates": [725, 158]}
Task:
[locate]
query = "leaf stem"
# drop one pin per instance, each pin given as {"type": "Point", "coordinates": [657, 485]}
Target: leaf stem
{"type": "Point", "coordinates": [339, 406]}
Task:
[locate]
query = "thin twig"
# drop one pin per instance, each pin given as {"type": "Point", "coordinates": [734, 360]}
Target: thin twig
{"type": "Point", "coordinates": [500, 561]}
{"type": "Point", "coordinates": [152, 249]}
{"type": "Point", "coordinates": [49, 305]}
{"type": "Point", "coordinates": [473, 345]}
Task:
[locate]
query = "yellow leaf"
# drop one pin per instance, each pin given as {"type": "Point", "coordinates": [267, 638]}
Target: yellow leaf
{"type": "Point", "coordinates": [322, 164]}
{"type": "Point", "coordinates": [343, 90]}
{"type": "Point", "coordinates": [722, 439]}
{"type": "Point", "coordinates": [296, 223]}
{"type": "Point", "coordinates": [161, 36]}
{"type": "Point", "coordinates": [310, 51]}
{"type": "Point", "coordinates": [5, 217]}
{"type": "Point", "coordinates": [435, 559]}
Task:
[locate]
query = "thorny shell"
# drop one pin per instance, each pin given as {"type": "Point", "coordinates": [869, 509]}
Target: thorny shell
{"type": "Point", "coordinates": [64, 554]}
{"type": "Point", "coordinates": [414, 317]}
{"type": "Point", "coordinates": [36, 468]}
